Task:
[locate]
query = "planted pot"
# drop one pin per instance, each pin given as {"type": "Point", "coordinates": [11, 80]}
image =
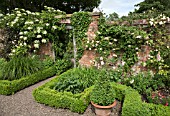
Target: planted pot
{"type": "Point", "coordinates": [103, 110]}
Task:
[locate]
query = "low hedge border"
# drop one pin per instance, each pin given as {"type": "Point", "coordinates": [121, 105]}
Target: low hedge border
{"type": "Point", "coordinates": [75, 102]}
{"type": "Point", "coordinates": [10, 87]}
{"type": "Point", "coordinates": [132, 103]}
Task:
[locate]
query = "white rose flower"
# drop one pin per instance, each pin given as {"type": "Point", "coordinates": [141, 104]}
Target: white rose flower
{"type": "Point", "coordinates": [115, 40]}
{"type": "Point", "coordinates": [28, 12]}
{"type": "Point", "coordinates": [151, 23]}
{"type": "Point", "coordinates": [25, 32]}
{"type": "Point", "coordinates": [43, 40]}
{"type": "Point", "coordinates": [97, 41]}
{"type": "Point", "coordinates": [138, 36]}
{"type": "Point", "coordinates": [101, 58]}
{"type": "Point", "coordinates": [106, 38]}
{"type": "Point", "coordinates": [36, 45]}
{"type": "Point", "coordinates": [123, 63]}
{"type": "Point", "coordinates": [152, 19]}
{"type": "Point", "coordinates": [44, 32]}
{"type": "Point", "coordinates": [37, 13]}
{"type": "Point", "coordinates": [20, 33]}
{"type": "Point", "coordinates": [37, 20]}
{"type": "Point", "coordinates": [39, 36]}
{"type": "Point", "coordinates": [161, 23]}
{"type": "Point", "coordinates": [13, 51]}
{"type": "Point", "coordinates": [164, 17]}
{"type": "Point", "coordinates": [33, 13]}
{"type": "Point", "coordinates": [36, 41]}
{"type": "Point", "coordinates": [19, 15]}
{"type": "Point", "coordinates": [102, 62]}
{"type": "Point", "coordinates": [110, 43]}
{"type": "Point", "coordinates": [114, 67]}
{"type": "Point", "coordinates": [20, 44]}
{"type": "Point", "coordinates": [21, 37]}
{"type": "Point", "coordinates": [25, 38]}
{"type": "Point", "coordinates": [114, 55]}
{"type": "Point", "coordinates": [47, 24]}
{"type": "Point", "coordinates": [29, 28]}
{"type": "Point", "coordinates": [132, 81]}
{"type": "Point", "coordinates": [54, 27]}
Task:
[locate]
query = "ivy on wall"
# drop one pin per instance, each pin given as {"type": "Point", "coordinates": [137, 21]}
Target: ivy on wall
{"type": "Point", "coordinates": [123, 43]}
{"type": "Point", "coordinates": [80, 22]}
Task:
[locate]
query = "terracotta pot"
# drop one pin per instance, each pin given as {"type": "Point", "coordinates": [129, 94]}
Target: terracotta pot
{"type": "Point", "coordinates": [103, 110]}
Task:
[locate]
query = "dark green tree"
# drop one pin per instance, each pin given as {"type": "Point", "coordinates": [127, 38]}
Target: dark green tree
{"type": "Point", "coordinates": [113, 16]}
{"type": "Point", "coordinates": [69, 6]}
{"type": "Point", "coordinates": [161, 5]}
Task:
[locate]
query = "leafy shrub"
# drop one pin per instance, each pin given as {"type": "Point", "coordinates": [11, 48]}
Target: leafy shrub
{"type": "Point", "coordinates": [48, 62]}
{"type": "Point", "coordinates": [2, 62]}
{"type": "Point", "coordinates": [76, 80]}
{"type": "Point", "coordinates": [20, 66]}
{"type": "Point", "coordinates": [103, 94]}
{"type": "Point", "coordinates": [81, 78]}
{"type": "Point", "coordinates": [144, 82]}
{"type": "Point", "coordinates": [62, 65]}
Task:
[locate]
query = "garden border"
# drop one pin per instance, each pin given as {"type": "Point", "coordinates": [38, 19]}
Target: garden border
{"type": "Point", "coordinates": [132, 102]}
{"type": "Point", "coordinates": [75, 102]}
{"type": "Point", "coordinates": [10, 87]}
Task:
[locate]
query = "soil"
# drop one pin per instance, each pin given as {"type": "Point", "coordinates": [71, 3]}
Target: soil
{"type": "Point", "coordinates": [22, 103]}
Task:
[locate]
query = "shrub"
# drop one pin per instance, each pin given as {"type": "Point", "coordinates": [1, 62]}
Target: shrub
{"type": "Point", "coordinates": [2, 62]}
{"type": "Point", "coordinates": [132, 103]}
{"type": "Point", "coordinates": [10, 87]}
{"type": "Point", "coordinates": [144, 82]}
{"type": "Point", "coordinates": [76, 80]}
{"type": "Point", "coordinates": [75, 102]}
{"type": "Point", "coordinates": [48, 62]}
{"type": "Point", "coordinates": [103, 94]}
{"type": "Point", "coordinates": [20, 66]}
{"type": "Point", "coordinates": [81, 78]}
{"type": "Point", "coordinates": [62, 65]}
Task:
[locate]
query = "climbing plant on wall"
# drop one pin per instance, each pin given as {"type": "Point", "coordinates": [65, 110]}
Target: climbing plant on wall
{"type": "Point", "coordinates": [31, 29]}
{"type": "Point", "coordinates": [80, 22]}
{"type": "Point", "coordinates": [123, 43]}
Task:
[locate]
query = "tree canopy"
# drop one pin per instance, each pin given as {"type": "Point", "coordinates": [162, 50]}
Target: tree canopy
{"type": "Point", "coordinates": [69, 6]}
{"type": "Point", "coordinates": [113, 16]}
{"type": "Point", "coordinates": [161, 5]}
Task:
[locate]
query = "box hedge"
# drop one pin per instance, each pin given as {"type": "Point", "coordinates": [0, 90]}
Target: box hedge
{"type": "Point", "coordinates": [75, 102]}
{"type": "Point", "coordinates": [132, 103]}
{"type": "Point", "coordinates": [10, 87]}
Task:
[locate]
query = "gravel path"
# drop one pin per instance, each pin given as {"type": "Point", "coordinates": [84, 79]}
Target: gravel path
{"type": "Point", "coordinates": [22, 103]}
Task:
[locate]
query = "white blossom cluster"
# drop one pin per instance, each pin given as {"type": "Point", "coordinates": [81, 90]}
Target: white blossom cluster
{"type": "Point", "coordinates": [33, 28]}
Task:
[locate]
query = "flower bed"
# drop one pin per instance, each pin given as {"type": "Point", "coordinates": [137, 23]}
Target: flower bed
{"type": "Point", "coordinates": [74, 102]}
{"type": "Point", "coordinates": [10, 87]}
{"type": "Point", "coordinates": [132, 102]}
